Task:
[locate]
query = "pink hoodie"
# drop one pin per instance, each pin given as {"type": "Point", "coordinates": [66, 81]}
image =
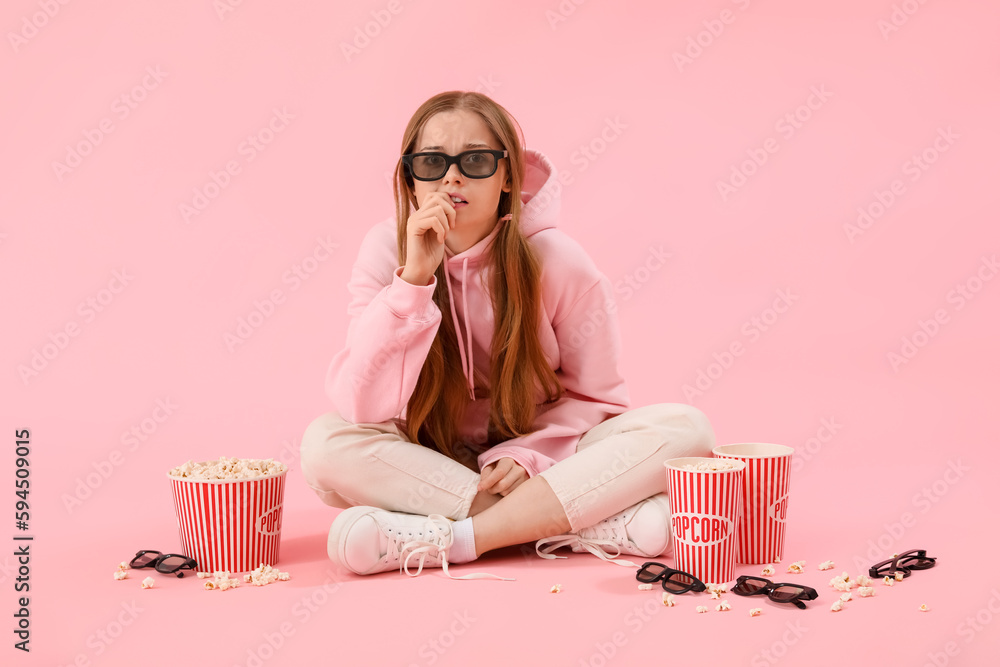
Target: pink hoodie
{"type": "Point", "coordinates": [393, 324]}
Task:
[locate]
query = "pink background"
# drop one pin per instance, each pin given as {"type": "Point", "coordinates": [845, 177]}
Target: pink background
{"type": "Point", "coordinates": [888, 458]}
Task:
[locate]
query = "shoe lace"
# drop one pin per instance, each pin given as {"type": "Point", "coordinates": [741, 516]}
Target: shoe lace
{"type": "Point", "coordinates": [594, 539]}
{"type": "Point", "coordinates": [439, 529]}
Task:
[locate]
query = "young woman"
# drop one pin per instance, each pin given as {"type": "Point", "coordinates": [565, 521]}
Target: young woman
{"type": "Point", "coordinates": [478, 402]}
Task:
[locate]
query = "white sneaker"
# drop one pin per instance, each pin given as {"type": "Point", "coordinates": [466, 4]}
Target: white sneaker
{"type": "Point", "coordinates": [640, 530]}
{"type": "Point", "coordinates": [366, 540]}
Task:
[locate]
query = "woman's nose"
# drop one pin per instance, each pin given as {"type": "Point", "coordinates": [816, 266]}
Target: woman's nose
{"type": "Point", "coordinates": [453, 174]}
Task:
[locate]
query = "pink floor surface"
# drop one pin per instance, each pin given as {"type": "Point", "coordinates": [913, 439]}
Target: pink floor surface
{"type": "Point", "coordinates": [326, 616]}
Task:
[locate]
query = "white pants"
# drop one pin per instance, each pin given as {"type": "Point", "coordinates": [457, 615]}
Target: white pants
{"type": "Point", "coordinates": [617, 464]}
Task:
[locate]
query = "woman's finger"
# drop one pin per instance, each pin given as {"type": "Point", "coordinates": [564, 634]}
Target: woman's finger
{"type": "Point", "coordinates": [485, 477]}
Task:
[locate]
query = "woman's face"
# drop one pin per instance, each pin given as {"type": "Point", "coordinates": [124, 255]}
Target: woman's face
{"type": "Point", "coordinates": [454, 132]}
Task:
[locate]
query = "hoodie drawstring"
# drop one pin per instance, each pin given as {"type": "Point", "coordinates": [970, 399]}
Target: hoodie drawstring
{"type": "Point", "coordinates": [467, 366]}
{"type": "Point", "coordinates": [466, 359]}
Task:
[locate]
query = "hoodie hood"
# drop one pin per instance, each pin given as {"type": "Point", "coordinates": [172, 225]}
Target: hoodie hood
{"type": "Point", "coordinates": [539, 211]}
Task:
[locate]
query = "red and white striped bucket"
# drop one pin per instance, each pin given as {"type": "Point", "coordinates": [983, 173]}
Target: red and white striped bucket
{"type": "Point", "coordinates": [705, 510]}
{"type": "Point", "coordinates": [230, 524]}
{"type": "Point", "coordinates": [765, 499]}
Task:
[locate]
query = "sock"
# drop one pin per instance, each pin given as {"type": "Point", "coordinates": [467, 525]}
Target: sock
{"type": "Point", "coordinates": [463, 546]}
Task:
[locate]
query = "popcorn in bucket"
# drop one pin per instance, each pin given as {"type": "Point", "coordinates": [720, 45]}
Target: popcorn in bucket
{"type": "Point", "coordinates": [229, 512]}
{"type": "Point", "coordinates": [706, 497]}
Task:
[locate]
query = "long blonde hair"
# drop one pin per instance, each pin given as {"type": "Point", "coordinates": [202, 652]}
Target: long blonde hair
{"type": "Point", "coordinates": [518, 367]}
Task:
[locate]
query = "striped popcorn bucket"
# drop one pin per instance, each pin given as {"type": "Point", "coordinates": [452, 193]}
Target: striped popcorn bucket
{"type": "Point", "coordinates": [230, 524]}
{"type": "Point", "coordinates": [705, 509]}
{"type": "Point", "coordinates": [765, 499]}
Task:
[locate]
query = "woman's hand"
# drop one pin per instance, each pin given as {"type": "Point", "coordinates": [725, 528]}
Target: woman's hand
{"type": "Point", "coordinates": [426, 230]}
{"type": "Point", "coordinates": [502, 477]}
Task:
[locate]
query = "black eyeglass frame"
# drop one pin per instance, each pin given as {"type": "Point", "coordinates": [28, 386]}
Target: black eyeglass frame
{"type": "Point", "coordinates": [769, 588]}
{"type": "Point", "coordinates": [157, 562]}
{"type": "Point", "coordinates": [914, 559]}
{"type": "Point", "coordinates": [453, 159]}
{"type": "Point", "coordinates": [645, 576]}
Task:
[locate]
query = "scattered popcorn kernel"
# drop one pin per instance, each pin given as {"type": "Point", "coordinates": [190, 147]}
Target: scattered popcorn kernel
{"type": "Point", "coordinates": [797, 567]}
{"type": "Point", "coordinates": [846, 597]}
{"type": "Point", "coordinates": [755, 611]}
{"type": "Point", "coordinates": [723, 606]}
{"type": "Point", "coordinates": [767, 571]}
{"type": "Point", "coordinates": [556, 589]}
{"type": "Point", "coordinates": [645, 587]}
{"type": "Point", "coordinates": [826, 565]}
{"type": "Point", "coordinates": [701, 610]}
{"type": "Point", "coordinates": [899, 576]}
{"type": "Point", "coordinates": [220, 581]}
{"type": "Point", "coordinates": [842, 582]}
{"type": "Point", "coordinates": [120, 574]}
{"type": "Point", "coordinates": [837, 606]}
{"type": "Point", "coordinates": [668, 599]}
{"type": "Point", "coordinates": [204, 575]}
{"type": "Point", "coordinates": [148, 582]}
{"type": "Point", "coordinates": [924, 607]}
{"type": "Point", "coordinates": [284, 576]}
{"type": "Point", "coordinates": [716, 590]}
{"type": "Point", "coordinates": [888, 581]}
{"type": "Point", "coordinates": [123, 566]}
{"type": "Point", "coordinates": [863, 580]}
{"type": "Point", "coordinates": [264, 575]}
{"type": "Point", "coordinates": [866, 592]}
